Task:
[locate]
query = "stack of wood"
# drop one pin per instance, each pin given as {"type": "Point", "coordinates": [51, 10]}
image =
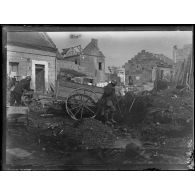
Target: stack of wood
{"type": "Point", "coordinates": [184, 73]}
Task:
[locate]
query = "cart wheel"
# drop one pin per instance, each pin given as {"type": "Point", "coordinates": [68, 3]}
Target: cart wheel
{"type": "Point", "coordinates": [82, 104]}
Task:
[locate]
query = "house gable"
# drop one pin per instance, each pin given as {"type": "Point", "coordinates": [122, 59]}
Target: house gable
{"type": "Point", "coordinates": [92, 49]}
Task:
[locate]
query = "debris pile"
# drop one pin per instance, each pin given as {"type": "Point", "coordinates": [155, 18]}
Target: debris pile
{"type": "Point", "coordinates": [133, 108]}
{"type": "Point", "coordinates": [87, 134]}
{"type": "Point", "coordinates": [37, 106]}
{"type": "Point", "coordinates": [96, 135]}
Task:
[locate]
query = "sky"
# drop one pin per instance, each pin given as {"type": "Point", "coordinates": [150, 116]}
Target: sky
{"type": "Point", "coordinates": [120, 46]}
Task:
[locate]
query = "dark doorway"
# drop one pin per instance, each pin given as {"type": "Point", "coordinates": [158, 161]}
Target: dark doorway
{"type": "Point", "coordinates": [40, 78]}
{"type": "Point", "coordinates": [100, 66]}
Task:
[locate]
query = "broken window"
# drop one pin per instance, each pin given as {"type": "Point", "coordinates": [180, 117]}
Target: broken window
{"type": "Point", "coordinates": [100, 66]}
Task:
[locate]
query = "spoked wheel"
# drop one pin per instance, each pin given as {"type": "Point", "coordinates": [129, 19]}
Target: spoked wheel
{"type": "Point", "coordinates": [82, 104]}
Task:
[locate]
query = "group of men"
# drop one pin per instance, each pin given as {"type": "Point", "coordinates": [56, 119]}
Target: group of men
{"type": "Point", "coordinates": [17, 89]}
{"type": "Point", "coordinates": [107, 102]}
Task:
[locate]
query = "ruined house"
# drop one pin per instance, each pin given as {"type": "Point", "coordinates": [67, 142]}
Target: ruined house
{"type": "Point", "coordinates": [142, 68]}
{"type": "Point", "coordinates": [32, 53]}
{"type": "Point", "coordinates": [65, 67]}
{"type": "Point", "coordinates": [90, 59]}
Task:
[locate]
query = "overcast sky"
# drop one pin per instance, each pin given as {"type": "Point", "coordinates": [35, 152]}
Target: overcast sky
{"type": "Point", "coordinates": [119, 47]}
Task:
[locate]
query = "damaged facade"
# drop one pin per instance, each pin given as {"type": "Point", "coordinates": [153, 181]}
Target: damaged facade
{"type": "Point", "coordinates": [34, 54]}
{"type": "Point", "coordinates": [90, 59]}
{"type": "Point", "coordinates": [63, 65]}
{"type": "Point", "coordinates": [142, 68]}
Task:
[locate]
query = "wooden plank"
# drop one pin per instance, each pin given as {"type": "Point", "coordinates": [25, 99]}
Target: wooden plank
{"type": "Point", "coordinates": [17, 110]}
{"type": "Point", "coordinates": [78, 85]}
{"type": "Point", "coordinates": [65, 88]}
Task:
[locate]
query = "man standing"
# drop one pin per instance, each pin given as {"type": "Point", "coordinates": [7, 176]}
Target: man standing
{"type": "Point", "coordinates": [130, 80]}
{"type": "Point", "coordinates": [17, 92]}
{"type": "Point", "coordinates": [108, 101]}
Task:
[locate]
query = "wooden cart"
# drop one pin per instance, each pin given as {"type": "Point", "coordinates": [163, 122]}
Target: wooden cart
{"type": "Point", "coordinates": [81, 100]}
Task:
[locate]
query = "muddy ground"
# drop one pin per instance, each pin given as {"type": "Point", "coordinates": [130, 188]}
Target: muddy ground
{"type": "Point", "coordinates": [56, 142]}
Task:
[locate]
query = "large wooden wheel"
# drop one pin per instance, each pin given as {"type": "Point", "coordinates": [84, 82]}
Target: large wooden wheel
{"type": "Point", "coordinates": [81, 103]}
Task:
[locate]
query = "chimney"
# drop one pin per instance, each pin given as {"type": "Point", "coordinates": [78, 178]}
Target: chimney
{"type": "Point", "coordinates": [95, 42]}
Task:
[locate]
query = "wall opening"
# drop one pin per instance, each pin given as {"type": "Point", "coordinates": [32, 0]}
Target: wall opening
{"type": "Point", "coordinates": [40, 78]}
{"type": "Point", "coordinates": [100, 66]}
{"type": "Point", "coordinates": [13, 67]}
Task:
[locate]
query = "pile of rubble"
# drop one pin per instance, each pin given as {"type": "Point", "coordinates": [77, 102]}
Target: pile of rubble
{"type": "Point", "coordinates": [87, 134]}
{"type": "Point", "coordinates": [132, 108]}
{"type": "Point", "coordinates": [96, 135]}
{"type": "Point", "coordinates": [166, 106]}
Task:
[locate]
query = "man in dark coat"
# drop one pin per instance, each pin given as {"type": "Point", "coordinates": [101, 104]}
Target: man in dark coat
{"type": "Point", "coordinates": [130, 80]}
{"type": "Point", "coordinates": [17, 92]}
{"type": "Point", "coordinates": [108, 100]}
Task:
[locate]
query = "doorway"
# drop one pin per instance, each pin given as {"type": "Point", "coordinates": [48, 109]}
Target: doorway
{"type": "Point", "coordinates": [40, 78]}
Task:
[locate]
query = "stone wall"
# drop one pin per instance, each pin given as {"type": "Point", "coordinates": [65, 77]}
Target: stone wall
{"type": "Point", "coordinates": [90, 65]}
{"type": "Point", "coordinates": [25, 56]}
{"type": "Point", "coordinates": [68, 65]}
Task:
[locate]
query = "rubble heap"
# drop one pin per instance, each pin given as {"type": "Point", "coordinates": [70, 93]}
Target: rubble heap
{"type": "Point", "coordinates": [133, 108]}
{"type": "Point", "coordinates": [88, 133]}
{"type": "Point", "coordinates": [96, 135]}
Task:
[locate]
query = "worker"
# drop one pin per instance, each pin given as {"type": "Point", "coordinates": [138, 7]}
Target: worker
{"type": "Point", "coordinates": [130, 80]}
{"type": "Point", "coordinates": [17, 92]}
{"type": "Point", "coordinates": [108, 99]}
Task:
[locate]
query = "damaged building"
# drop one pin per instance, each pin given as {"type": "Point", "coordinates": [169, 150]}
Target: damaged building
{"type": "Point", "coordinates": [34, 54]}
{"type": "Point", "coordinates": [141, 69]}
{"type": "Point", "coordinates": [65, 67]}
{"type": "Point", "coordinates": [90, 59]}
